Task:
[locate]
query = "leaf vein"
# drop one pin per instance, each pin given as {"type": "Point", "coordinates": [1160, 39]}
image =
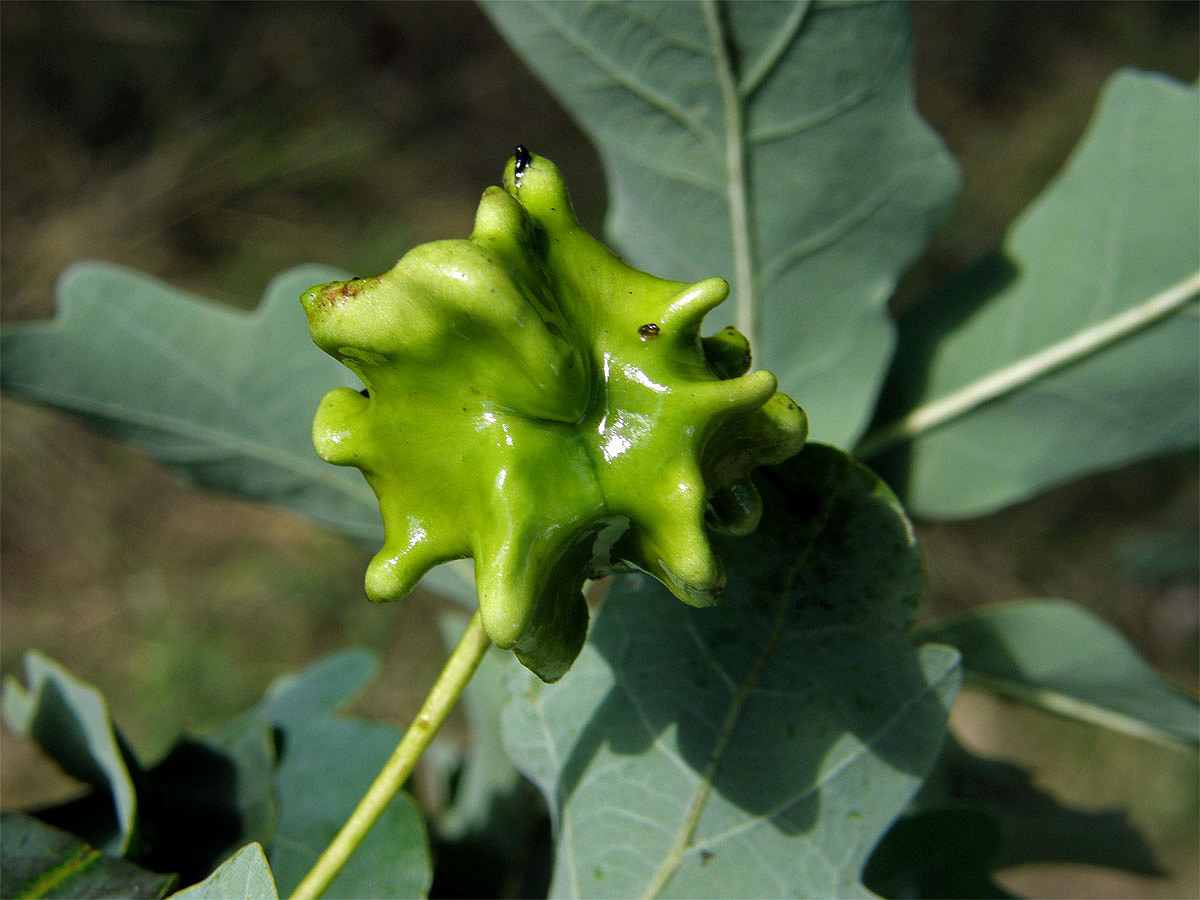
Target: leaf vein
{"type": "Point", "coordinates": [828, 776]}
{"type": "Point", "coordinates": [815, 242]}
{"type": "Point", "coordinates": [839, 107]}
{"type": "Point", "coordinates": [233, 444]}
{"type": "Point", "coordinates": [1037, 365]}
{"type": "Point", "coordinates": [770, 58]}
{"type": "Point", "coordinates": [619, 75]}
{"type": "Point", "coordinates": [564, 826]}
{"type": "Point", "coordinates": [706, 652]}
{"type": "Point", "coordinates": [687, 829]}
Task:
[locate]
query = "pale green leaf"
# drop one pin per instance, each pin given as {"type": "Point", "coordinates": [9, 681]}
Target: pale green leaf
{"type": "Point", "coordinates": [756, 749]}
{"type": "Point", "coordinates": [224, 397]}
{"type": "Point", "coordinates": [180, 815]}
{"type": "Point", "coordinates": [1076, 347]}
{"type": "Point", "coordinates": [69, 720]}
{"type": "Point", "coordinates": [773, 144]}
{"type": "Point", "coordinates": [326, 763]}
{"type": "Point", "coordinates": [37, 860]}
{"type": "Point", "coordinates": [245, 876]}
{"type": "Point", "coordinates": [1060, 657]}
{"type": "Point", "coordinates": [320, 689]}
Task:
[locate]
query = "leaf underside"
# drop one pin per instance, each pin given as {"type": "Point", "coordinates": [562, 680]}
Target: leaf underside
{"type": "Point", "coordinates": [1112, 240]}
{"type": "Point", "coordinates": [244, 875]}
{"type": "Point", "coordinates": [759, 748]}
{"type": "Point", "coordinates": [1060, 657]}
{"type": "Point", "coordinates": [773, 144]}
{"type": "Point", "coordinates": [252, 782]}
{"type": "Point", "coordinates": [40, 861]}
{"type": "Point", "coordinates": [341, 755]}
{"type": "Point", "coordinates": [224, 397]}
{"type": "Point", "coordinates": [70, 720]}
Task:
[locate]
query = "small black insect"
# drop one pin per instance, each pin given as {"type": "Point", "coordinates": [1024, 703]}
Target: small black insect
{"type": "Point", "coordinates": [523, 159]}
{"type": "Point", "coordinates": [648, 331]}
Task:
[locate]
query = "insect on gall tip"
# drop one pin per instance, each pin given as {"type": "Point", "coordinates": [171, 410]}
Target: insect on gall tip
{"type": "Point", "coordinates": [523, 159]}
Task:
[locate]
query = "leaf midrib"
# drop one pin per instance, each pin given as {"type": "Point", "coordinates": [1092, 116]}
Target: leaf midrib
{"type": "Point", "coordinates": [1074, 707]}
{"type": "Point", "coordinates": [691, 820]}
{"type": "Point", "coordinates": [1028, 369]}
{"type": "Point", "coordinates": [686, 832]}
{"type": "Point", "coordinates": [737, 188]}
{"type": "Point", "coordinates": [62, 873]}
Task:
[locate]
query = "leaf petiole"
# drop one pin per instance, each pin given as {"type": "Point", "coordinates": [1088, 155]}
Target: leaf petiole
{"type": "Point", "coordinates": [441, 699]}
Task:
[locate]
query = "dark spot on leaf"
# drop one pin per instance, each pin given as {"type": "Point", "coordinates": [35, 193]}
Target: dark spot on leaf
{"type": "Point", "coordinates": [365, 393]}
{"type": "Point", "coordinates": [705, 856]}
{"type": "Point", "coordinates": [648, 331]}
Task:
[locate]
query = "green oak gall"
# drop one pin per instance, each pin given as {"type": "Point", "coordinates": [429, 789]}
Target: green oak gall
{"type": "Point", "coordinates": [534, 403]}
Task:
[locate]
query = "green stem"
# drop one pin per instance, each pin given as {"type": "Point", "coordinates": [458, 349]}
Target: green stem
{"type": "Point", "coordinates": [445, 693]}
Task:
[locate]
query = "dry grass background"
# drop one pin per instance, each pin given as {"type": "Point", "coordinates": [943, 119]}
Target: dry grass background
{"type": "Point", "coordinates": [213, 145]}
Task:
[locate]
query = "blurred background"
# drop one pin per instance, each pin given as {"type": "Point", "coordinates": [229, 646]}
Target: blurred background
{"type": "Point", "coordinates": [215, 144]}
